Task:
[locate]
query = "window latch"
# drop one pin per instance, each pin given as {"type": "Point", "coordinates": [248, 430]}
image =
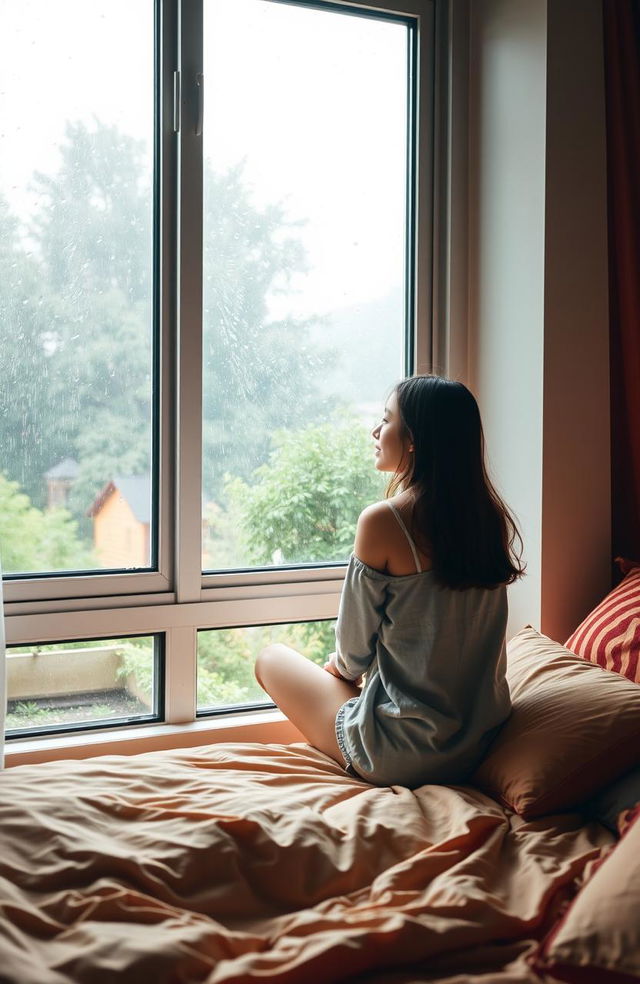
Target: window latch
{"type": "Point", "coordinates": [176, 102]}
{"type": "Point", "coordinates": [200, 107]}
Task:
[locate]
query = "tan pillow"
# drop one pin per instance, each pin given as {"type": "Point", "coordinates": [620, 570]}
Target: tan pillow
{"type": "Point", "coordinates": [574, 729]}
{"type": "Point", "coordinates": [598, 939]}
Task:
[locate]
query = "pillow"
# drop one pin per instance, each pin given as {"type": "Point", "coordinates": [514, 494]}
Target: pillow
{"type": "Point", "coordinates": [610, 634]}
{"type": "Point", "coordinates": [623, 794]}
{"type": "Point", "coordinates": [597, 941]}
{"type": "Point", "coordinates": [574, 728]}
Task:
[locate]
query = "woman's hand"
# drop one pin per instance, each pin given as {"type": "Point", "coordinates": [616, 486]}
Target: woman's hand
{"type": "Point", "coordinates": [330, 667]}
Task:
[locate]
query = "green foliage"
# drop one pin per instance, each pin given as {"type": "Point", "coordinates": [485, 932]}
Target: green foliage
{"type": "Point", "coordinates": [315, 639]}
{"type": "Point", "coordinates": [95, 248]}
{"type": "Point", "coordinates": [225, 669]}
{"type": "Point", "coordinates": [95, 228]}
{"type": "Point", "coordinates": [303, 505]}
{"type": "Point", "coordinates": [226, 658]}
{"type": "Point", "coordinates": [76, 317]}
{"type": "Point", "coordinates": [30, 443]}
{"type": "Point", "coordinates": [260, 373]}
{"type": "Point", "coordinates": [32, 540]}
{"type": "Point", "coordinates": [137, 661]}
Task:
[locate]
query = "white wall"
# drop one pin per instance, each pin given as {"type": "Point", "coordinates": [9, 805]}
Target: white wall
{"type": "Point", "coordinates": [507, 118]}
{"type": "Point", "coordinates": [537, 330]}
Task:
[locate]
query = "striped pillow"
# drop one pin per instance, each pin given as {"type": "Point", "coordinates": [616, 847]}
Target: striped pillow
{"type": "Point", "coordinates": [610, 634]}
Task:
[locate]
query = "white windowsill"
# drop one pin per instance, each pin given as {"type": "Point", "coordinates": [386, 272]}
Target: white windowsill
{"type": "Point", "coordinates": [259, 726]}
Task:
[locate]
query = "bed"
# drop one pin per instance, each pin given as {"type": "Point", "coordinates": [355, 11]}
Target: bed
{"type": "Point", "coordinates": [249, 862]}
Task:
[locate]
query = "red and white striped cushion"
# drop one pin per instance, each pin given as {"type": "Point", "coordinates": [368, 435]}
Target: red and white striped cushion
{"type": "Point", "coordinates": [610, 634]}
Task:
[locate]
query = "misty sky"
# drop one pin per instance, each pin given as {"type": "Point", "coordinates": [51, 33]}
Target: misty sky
{"type": "Point", "coordinates": [313, 101]}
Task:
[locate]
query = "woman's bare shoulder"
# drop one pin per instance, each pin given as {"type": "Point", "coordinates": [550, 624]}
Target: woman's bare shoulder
{"type": "Point", "coordinates": [375, 512]}
{"type": "Point", "coordinates": [381, 542]}
{"type": "Point", "coordinates": [373, 535]}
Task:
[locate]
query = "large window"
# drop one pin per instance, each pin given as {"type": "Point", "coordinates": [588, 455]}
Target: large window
{"type": "Point", "coordinates": [76, 285]}
{"type": "Point", "coordinates": [83, 684]}
{"type": "Point", "coordinates": [306, 155]}
{"type": "Point", "coordinates": [226, 656]}
{"type": "Point", "coordinates": [214, 263]}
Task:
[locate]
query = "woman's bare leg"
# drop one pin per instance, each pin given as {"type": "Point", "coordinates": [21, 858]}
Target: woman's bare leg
{"type": "Point", "coordinates": [305, 693]}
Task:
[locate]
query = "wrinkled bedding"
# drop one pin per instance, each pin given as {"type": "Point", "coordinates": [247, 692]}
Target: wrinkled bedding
{"type": "Point", "coordinates": [247, 862]}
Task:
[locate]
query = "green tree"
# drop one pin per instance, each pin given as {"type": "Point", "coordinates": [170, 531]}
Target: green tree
{"type": "Point", "coordinates": [32, 540]}
{"type": "Point", "coordinates": [95, 238]}
{"type": "Point", "coordinates": [225, 669]}
{"type": "Point", "coordinates": [226, 658]}
{"type": "Point", "coordinates": [104, 398]}
{"type": "Point", "coordinates": [76, 314]}
{"type": "Point", "coordinates": [94, 229]}
{"type": "Point", "coordinates": [302, 506]}
{"type": "Point", "coordinates": [260, 373]}
{"type": "Point", "coordinates": [94, 243]}
{"type": "Point", "coordinates": [75, 352]}
{"type": "Point", "coordinates": [29, 443]}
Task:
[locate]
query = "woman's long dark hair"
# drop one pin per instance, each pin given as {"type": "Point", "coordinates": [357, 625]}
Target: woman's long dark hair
{"type": "Point", "coordinates": [458, 517]}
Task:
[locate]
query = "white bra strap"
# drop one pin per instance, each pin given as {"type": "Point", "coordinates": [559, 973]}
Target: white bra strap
{"type": "Point", "coordinates": [406, 533]}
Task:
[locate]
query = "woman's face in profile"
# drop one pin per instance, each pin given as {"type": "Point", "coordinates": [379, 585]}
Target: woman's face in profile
{"type": "Point", "coordinates": [391, 447]}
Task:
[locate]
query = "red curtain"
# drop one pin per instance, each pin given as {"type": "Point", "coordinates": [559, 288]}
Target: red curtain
{"type": "Point", "coordinates": [622, 78]}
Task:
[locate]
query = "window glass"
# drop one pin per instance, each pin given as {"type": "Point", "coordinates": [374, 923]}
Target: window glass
{"type": "Point", "coordinates": [65, 686]}
{"type": "Point", "coordinates": [305, 228]}
{"type": "Point", "coordinates": [226, 658]}
{"type": "Point", "coordinates": [76, 284]}
{"type": "Point", "coordinates": [309, 149]}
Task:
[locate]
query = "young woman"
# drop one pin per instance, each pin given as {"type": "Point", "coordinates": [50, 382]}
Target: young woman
{"type": "Point", "coordinates": [423, 610]}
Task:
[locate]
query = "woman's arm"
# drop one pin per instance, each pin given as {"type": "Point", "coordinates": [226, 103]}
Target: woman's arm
{"type": "Point", "coordinates": [362, 604]}
{"type": "Point", "coordinates": [331, 667]}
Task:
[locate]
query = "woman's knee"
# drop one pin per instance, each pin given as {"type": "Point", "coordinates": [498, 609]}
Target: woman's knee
{"type": "Point", "coordinates": [268, 657]}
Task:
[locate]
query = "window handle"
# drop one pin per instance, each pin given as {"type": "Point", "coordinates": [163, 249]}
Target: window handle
{"type": "Point", "coordinates": [176, 102]}
{"type": "Point", "coordinates": [200, 107]}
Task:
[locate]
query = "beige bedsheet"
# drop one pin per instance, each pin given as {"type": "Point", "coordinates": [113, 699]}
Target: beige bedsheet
{"type": "Point", "coordinates": [241, 863]}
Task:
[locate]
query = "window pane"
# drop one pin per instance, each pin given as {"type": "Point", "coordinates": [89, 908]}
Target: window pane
{"type": "Point", "coordinates": [72, 685]}
{"type": "Point", "coordinates": [76, 283]}
{"type": "Point", "coordinates": [226, 658]}
{"type": "Point", "coordinates": [306, 164]}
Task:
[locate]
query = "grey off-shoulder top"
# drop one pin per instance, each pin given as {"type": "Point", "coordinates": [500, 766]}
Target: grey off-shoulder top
{"type": "Point", "coordinates": [435, 690]}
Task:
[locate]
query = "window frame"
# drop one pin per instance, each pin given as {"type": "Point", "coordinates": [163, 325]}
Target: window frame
{"type": "Point", "coordinates": [71, 728]}
{"type": "Point", "coordinates": [177, 600]}
{"type": "Point", "coordinates": [27, 588]}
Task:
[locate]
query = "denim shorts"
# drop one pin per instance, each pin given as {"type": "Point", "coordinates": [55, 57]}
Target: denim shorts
{"type": "Point", "coordinates": [340, 736]}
